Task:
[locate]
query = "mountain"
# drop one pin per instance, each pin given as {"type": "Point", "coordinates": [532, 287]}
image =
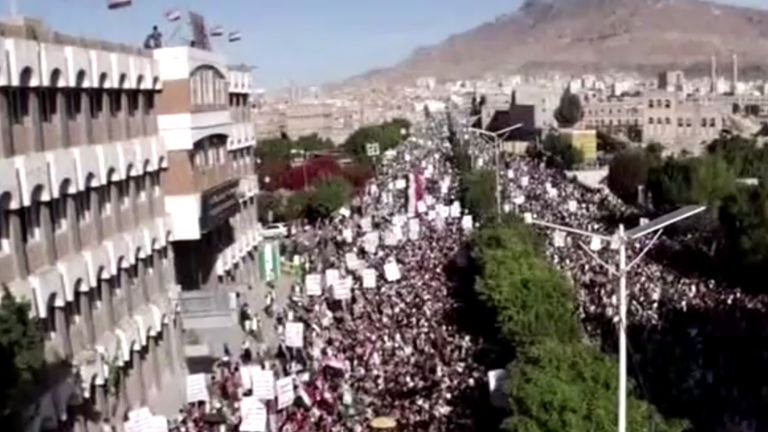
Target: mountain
{"type": "Point", "coordinates": [577, 36]}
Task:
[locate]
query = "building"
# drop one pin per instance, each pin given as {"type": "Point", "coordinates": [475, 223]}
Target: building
{"type": "Point", "coordinates": [115, 163]}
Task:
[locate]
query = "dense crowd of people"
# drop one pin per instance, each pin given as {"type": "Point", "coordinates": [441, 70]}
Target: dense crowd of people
{"type": "Point", "coordinates": [392, 350]}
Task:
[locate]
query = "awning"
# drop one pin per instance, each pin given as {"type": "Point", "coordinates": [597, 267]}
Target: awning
{"type": "Point", "coordinates": [141, 330]}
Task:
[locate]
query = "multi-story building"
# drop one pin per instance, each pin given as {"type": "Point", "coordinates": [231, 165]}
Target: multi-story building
{"type": "Point", "coordinates": [205, 119]}
{"type": "Point", "coordinates": [680, 122]}
{"type": "Point", "coordinates": [125, 175]}
{"type": "Point", "coordinates": [85, 235]}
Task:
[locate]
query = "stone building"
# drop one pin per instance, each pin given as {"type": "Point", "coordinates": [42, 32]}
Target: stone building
{"type": "Point", "coordinates": [115, 163]}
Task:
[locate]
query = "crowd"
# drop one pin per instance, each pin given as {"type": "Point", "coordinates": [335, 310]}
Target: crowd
{"type": "Point", "coordinates": [550, 196]}
{"type": "Point", "coordinates": [390, 351]}
{"type": "Point", "coordinates": [394, 350]}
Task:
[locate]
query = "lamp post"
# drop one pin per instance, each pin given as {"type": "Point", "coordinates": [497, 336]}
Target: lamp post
{"type": "Point", "coordinates": [623, 238]}
{"type": "Point", "coordinates": [496, 142]}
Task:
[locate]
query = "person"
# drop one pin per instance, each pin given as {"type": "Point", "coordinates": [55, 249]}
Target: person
{"type": "Point", "coordinates": [154, 40]}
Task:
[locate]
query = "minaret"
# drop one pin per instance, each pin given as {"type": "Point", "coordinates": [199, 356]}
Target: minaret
{"type": "Point", "coordinates": [735, 76]}
{"type": "Point", "coordinates": [713, 74]}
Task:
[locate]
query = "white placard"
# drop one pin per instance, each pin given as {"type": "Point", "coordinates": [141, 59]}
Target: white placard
{"type": "Point", "coordinates": [159, 424]}
{"type": "Point", "coordinates": [392, 271]}
{"type": "Point", "coordinates": [197, 388]}
{"type": "Point", "coordinates": [346, 234]}
{"type": "Point", "coordinates": [443, 211]}
{"type": "Point", "coordinates": [369, 278]}
{"type": "Point", "coordinates": [371, 242]}
{"type": "Point", "coordinates": [352, 261]}
{"type": "Point", "coordinates": [294, 334]}
{"type": "Point", "coordinates": [253, 414]}
{"type": "Point", "coordinates": [313, 284]}
{"type": "Point", "coordinates": [263, 383]}
{"type": "Point", "coordinates": [467, 223]}
{"type": "Point", "coordinates": [572, 205]}
{"type": "Point", "coordinates": [401, 184]}
{"type": "Point", "coordinates": [455, 210]}
{"type": "Point", "coordinates": [524, 181]}
{"type": "Point", "coordinates": [285, 392]}
{"type": "Point", "coordinates": [342, 290]}
{"type": "Point", "coordinates": [365, 224]}
{"type": "Point", "coordinates": [399, 220]}
{"type": "Point", "coordinates": [414, 226]}
{"type": "Point", "coordinates": [421, 207]}
{"type": "Point", "coordinates": [496, 388]}
{"type": "Point", "coordinates": [331, 276]}
{"type": "Point", "coordinates": [390, 239]}
{"type": "Point", "coordinates": [344, 212]}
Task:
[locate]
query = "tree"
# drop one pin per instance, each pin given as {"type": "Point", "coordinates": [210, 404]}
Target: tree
{"type": "Point", "coordinates": [388, 135]}
{"type": "Point", "coordinates": [627, 172]}
{"type": "Point", "coordinates": [556, 386]}
{"type": "Point", "coordinates": [705, 180]}
{"type": "Point", "coordinates": [21, 355]}
{"type": "Point", "coordinates": [560, 153]}
{"type": "Point", "coordinates": [570, 110]}
{"type": "Point", "coordinates": [328, 195]}
{"type": "Point", "coordinates": [531, 298]}
{"type": "Point", "coordinates": [478, 193]}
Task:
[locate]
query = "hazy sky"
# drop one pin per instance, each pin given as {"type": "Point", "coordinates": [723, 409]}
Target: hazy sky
{"type": "Point", "coordinates": [304, 41]}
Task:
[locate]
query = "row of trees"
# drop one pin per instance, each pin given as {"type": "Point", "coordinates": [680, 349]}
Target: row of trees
{"type": "Point", "coordinates": [557, 382]}
{"type": "Point", "coordinates": [729, 177]}
{"type": "Point", "coordinates": [310, 177]}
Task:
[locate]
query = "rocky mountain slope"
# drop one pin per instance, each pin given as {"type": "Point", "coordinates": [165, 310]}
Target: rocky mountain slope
{"type": "Point", "coordinates": [596, 35]}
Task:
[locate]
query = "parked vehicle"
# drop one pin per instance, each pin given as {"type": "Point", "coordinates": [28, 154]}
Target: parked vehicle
{"type": "Point", "coordinates": [275, 230]}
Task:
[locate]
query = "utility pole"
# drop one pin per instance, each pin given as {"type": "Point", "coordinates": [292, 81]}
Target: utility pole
{"type": "Point", "coordinates": [623, 238]}
{"type": "Point", "coordinates": [496, 143]}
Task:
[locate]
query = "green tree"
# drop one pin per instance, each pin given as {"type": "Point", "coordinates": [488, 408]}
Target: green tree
{"type": "Point", "coordinates": [327, 196]}
{"type": "Point", "coordinates": [705, 180]}
{"type": "Point", "coordinates": [531, 298]}
{"type": "Point", "coordinates": [21, 355]}
{"type": "Point", "coordinates": [628, 171]}
{"type": "Point", "coordinates": [570, 110]}
{"type": "Point", "coordinates": [560, 153]}
{"type": "Point", "coordinates": [478, 193]}
{"type": "Point", "coordinates": [557, 386]}
{"type": "Point", "coordinates": [389, 135]}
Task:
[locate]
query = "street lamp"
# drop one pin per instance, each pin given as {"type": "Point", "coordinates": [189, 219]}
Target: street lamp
{"type": "Point", "coordinates": [497, 150]}
{"type": "Point", "coordinates": [622, 238]}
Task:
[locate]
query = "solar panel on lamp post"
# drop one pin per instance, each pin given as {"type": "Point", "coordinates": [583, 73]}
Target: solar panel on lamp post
{"type": "Point", "coordinates": [623, 238]}
{"type": "Point", "coordinates": [497, 155]}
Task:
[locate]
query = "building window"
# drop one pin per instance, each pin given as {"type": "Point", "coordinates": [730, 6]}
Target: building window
{"type": "Point", "coordinates": [105, 200]}
{"type": "Point", "coordinates": [5, 237]}
{"type": "Point", "coordinates": [650, 120]}
{"type": "Point", "coordinates": [124, 192]}
{"type": "Point", "coordinates": [688, 122]}
{"type": "Point", "coordinates": [650, 103]}
{"type": "Point", "coordinates": [83, 206]}
{"type": "Point", "coordinates": [703, 122]}
{"type": "Point", "coordinates": [679, 122]}
{"type": "Point", "coordinates": [712, 123]}
{"type": "Point", "coordinates": [18, 101]}
{"type": "Point", "coordinates": [141, 187]}
{"type": "Point", "coordinates": [154, 179]}
{"type": "Point", "coordinates": [59, 214]}
{"type": "Point", "coordinates": [30, 224]}
{"type": "Point", "coordinates": [667, 120]}
{"type": "Point", "coordinates": [97, 103]}
{"type": "Point", "coordinates": [667, 104]}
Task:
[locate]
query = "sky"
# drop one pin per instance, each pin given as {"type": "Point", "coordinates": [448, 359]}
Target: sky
{"type": "Point", "coordinates": [303, 42]}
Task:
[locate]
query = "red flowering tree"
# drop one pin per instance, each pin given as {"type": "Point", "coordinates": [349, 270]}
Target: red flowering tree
{"type": "Point", "coordinates": [297, 177]}
{"type": "Point", "coordinates": [357, 174]}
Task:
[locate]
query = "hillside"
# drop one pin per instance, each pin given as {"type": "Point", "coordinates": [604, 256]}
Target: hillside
{"type": "Point", "coordinates": [593, 36]}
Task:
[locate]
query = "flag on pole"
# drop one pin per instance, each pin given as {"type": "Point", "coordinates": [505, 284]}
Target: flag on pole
{"type": "Point", "coordinates": [118, 4]}
{"type": "Point", "coordinates": [173, 15]}
{"type": "Point", "coordinates": [217, 31]}
{"type": "Point", "coordinates": [235, 36]}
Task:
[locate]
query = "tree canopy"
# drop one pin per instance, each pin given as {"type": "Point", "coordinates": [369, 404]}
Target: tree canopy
{"type": "Point", "coordinates": [388, 135]}
{"type": "Point", "coordinates": [729, 177]}
{"type": "Point", "coordinates": [570, 111]}
{"type": "Point", "coordinates": [21, 354]}
{"type": "Point", "coordinates": [478, 193]}
{"type": "Point", "coordinates": [556, 381]}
